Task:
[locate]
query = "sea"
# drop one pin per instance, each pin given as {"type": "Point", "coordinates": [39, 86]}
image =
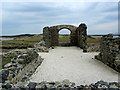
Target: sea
{"type": "Point", "coordinates": [2, 39]}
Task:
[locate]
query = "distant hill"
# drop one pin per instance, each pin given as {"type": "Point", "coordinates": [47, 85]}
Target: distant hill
{"type": "Point", "coordinates": [22, 35]}
{"type": "Point", "coordinates": [104, 34]}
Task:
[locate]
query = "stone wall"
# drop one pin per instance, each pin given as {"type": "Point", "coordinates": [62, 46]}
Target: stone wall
{"type": "Point", "coordinates": [82, 37]}
{"type": "Point", "coordinates": [110, 52]}
{"type": "Point", "coordinates": [21, 68]}
{"type": "Point", "coordinates": [47, 36]}
{"type": "Point", "coordinates": [78, 35]}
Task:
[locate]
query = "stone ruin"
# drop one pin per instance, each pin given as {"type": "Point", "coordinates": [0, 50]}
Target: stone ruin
{"type": "Point", "coordinates": [78, 35]}
{"type": "Point", "coordinates": [110, 51]}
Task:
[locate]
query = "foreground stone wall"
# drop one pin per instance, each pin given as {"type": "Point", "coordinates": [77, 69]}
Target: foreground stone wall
{"type": "Point", "coordinates": [21, 68]}
{"type": "Point", "coordinates": [63, 85]}
{"type": "Point", "coordinates": [110, 52]}
{"type": "Point", "coordinates": [78, 35]}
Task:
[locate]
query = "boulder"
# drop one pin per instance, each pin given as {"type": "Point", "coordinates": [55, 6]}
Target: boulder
{"type": "Point", "coordinates": [8, 65]}
{"type": "Point", "coordinates": [21, 61]}
{"type": "Point", "coordinates": [4, 75]}
{"type": "Point", "coordinates": [66, 82]}
{"type": "Point", "coordinates": [32, 85]}
{"type": "Point", "coordinates": [7, 86]}
{"type": "Point", "coordinates": [13, 60]}
{"type": "Point", "coordinates": [117, 62]}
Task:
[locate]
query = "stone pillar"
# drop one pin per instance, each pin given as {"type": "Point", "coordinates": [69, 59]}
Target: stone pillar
{"type": "Point", "coordinates": [47, 36]}
{"type": "Point", "coordinates": [54, 36]}
{"type": "Point", "coordinates": [82, 36]}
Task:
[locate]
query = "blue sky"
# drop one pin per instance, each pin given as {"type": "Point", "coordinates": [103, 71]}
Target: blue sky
{"type": "Point", "coordinates": [31, 17]}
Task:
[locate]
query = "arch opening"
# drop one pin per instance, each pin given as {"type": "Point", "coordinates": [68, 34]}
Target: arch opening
{"type": "Point", "coordinates": [77, 37]}
{"type": "Point", "coordinates": [64, 37]}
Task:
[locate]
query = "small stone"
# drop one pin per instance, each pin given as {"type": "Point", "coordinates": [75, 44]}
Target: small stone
{"type": "Point", "coordinates": [7, 86]}
{"type": "Point", "coordinates": [66, 82]}
{"type": "Point", "coordinates": [8, 65]}
{"type": "Point", "coordinates": [32, 85]}
{"type": "Point", "coordinates": [72, 84]}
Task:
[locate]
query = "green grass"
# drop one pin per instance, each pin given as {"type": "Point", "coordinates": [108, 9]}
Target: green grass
{"type": "Point", "coordinates": [28, 42]}
{"type": "Point", "coordinates": [64, 38]}
{"type": "Point", "coordinates": [93, 40]}
{"type": "Point", "coordinates": [7, 58]}
{"type": "Point", "coordinates": [21, 42]}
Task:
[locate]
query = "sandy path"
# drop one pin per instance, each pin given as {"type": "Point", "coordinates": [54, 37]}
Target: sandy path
{"type": "Point", "coordinates": [71, 63]}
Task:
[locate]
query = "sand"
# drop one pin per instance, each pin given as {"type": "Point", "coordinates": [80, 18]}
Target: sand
{"type": "Point", "coordinates": [72, 64]}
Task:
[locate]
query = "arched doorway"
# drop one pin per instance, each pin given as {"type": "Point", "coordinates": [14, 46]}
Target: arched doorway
{"type": "Point", "coordinates": [64, 37]}
{"type": "Point", "coordinates": [78, 35]}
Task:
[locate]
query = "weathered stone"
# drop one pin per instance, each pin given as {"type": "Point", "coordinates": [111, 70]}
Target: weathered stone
{"type": "Point", "coordinates": [13, 60]}
{"type": "Point", "coordinates": [4, 75]}
{"type": "Point", "coordinates": [23, 79]}
{"type": "Point", "coordinates": [109, 52]}
{"type": "Point", "coordinates": [20, 66]}
{"type": "Point", "coordinates": [42, 85]}
{"type": "Point", "coordinates": [32, 85]}
{"type": "Point", "coordinates": [72, 84]}
{"type": "Point", "coordinates": [78, 35]}
{"type": "Point", "coordinates": [7, 86]}
{"type": "Point", "coordinates": [8, 65]}
{"type": "Point", "coordinates": [66, 82]}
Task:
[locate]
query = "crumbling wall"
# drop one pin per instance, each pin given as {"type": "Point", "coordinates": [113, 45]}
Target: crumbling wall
{"type": "Point", "coordinates": [47, 36]}
{"type": "Point", "coordinates": [82, 37]}
{"type": "Point", "coordinates": [54, 36]}
{"type": "Point", "coordinates": [109, 52]}
{"type": "Point", "coordinates": [78, 35]}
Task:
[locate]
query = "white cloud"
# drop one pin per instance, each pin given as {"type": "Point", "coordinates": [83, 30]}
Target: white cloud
{"type": "Point", "coordinates": [29, 16]}
{"type": "Point", "coordinates": [110, 27]}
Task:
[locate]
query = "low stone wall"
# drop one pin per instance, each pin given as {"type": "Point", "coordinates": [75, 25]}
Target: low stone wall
{"type": "Point", "coordinates": [110, 51]}
{"type": "Point", "coordinates": [21, 68]}
{"type": "Point", "coordinates": [65, 85]}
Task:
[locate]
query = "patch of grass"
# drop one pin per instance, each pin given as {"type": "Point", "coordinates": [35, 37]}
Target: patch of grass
{"type": "Point", "coordinates": [21, 42]}
{"type": "Point", "coordinates": [64, 38]}
{"type": "Point", "coordinates": [28, 42]}
{"type": "Point", "coordinates": [93, 40]}
{"type": "Point", "coordinates": [7, 58]}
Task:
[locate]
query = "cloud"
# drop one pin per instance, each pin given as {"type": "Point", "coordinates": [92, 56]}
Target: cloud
{"type": "Point", "coordinates": [31, 17]}
{"type": "Point", "coordinates": [105, 28]}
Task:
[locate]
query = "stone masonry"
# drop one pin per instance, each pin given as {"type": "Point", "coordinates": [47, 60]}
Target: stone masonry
{"type": "Point", "coordinates": [109, 52]}
{"type": "Point", "coordinates": [78, 35]}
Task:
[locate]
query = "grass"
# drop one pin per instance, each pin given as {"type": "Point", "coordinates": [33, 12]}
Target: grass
{"type": "Point", "coordinates": [64, 38]}
{"type": "Point", "coordinates": [93, 40]}
{"type": "Point", "coordinates": [19, 43]}
{"type": "Point", "coordinates": [25, 42]}
{"type": "Point", "coordinates": [22, 42]}
{"type": "Point", "coordinates": [7, 58]}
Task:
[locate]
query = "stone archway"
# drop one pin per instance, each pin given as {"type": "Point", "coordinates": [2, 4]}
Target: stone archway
{"type": "Point", "coordinates": [78, 35]}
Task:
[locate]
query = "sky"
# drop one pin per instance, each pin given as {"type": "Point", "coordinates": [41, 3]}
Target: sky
{"type": "Point", "coordinates": [32, 17]}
